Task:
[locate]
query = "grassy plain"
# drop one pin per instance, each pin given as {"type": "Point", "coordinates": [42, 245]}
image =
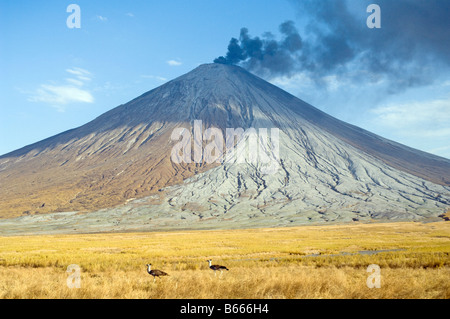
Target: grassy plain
{"type": "Point", "coordinates": [290, 262]}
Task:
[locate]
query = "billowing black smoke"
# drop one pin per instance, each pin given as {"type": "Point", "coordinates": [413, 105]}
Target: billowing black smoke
{"type": "Point", "coordinates": [265, 53]}
{"type": "Point", "coordinates": [412, 47]}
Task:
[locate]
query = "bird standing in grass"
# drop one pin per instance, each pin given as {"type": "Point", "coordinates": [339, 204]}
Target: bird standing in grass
{"type": "Point", "coordinates": [216, 267]}
{"type": "Point", "coordinates": [155, 272]}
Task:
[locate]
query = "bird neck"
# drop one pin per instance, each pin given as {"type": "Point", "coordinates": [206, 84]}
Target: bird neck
{"type": "Point", "coordinates": [149, 268]}
{"type": "Point", "coordinates": [209, 261]}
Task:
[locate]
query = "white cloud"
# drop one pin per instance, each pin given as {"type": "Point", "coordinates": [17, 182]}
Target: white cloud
{"type": "Point", "coordinates": [79, 71]}
{"type": "Point", "coordinates": [156, 77]}
{"type": "Point", "coordinates": [440, 150]}
{"type": "Point", "coordinates": [84, 78]}
{"type": "Point", "coordinates": [102, 18]}
{"type": "Point", "coordinates": [75, 82]}
{"type": "Point", "coordinates": [434, 113]}
{"type": "Point", "coordinates": [434, 133]}
{"type": "Point", "coordinates": [332, 82]}
{"type": "Point", "coordinates": [299, 84]}
{"type": "Point", "coordinates": [60, 95]}
{"type": "Point", "coordinates": [174, 63]}
{"type": "Point", "coordinates": [423, 125]}
{"type": "Point", "coordinates": [129, 14]}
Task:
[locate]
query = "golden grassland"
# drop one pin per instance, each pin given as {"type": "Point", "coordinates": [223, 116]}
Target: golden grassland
{"type": "Point", "coordinates": [291, 262]}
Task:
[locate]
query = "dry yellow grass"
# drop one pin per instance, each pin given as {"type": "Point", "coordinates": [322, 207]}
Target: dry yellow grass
{"type": "Point", "coordinates": [264, 263]}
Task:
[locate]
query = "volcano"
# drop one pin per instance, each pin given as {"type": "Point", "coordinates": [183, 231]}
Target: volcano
{"type": "Point", "coordinates": [118, 169]}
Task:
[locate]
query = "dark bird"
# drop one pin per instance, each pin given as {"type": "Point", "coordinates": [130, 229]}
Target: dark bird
{"type": "Point", "coordinates": [155, 272]}
{"type": "Point", "coordinates": [216, 267]}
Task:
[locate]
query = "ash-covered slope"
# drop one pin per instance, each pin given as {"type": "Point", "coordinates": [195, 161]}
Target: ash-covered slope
{"type": "Point", "coordinates": [327, 170]}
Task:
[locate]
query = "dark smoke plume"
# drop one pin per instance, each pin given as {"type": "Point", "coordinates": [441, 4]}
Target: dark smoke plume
{"type": "Point", "coordinates": [411, 49]}
{"type": "Point", "coordinates": [265, 53]}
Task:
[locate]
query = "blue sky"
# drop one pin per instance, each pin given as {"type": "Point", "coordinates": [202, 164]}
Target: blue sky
{"type": "Point", "coordinates": [53, 78]}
